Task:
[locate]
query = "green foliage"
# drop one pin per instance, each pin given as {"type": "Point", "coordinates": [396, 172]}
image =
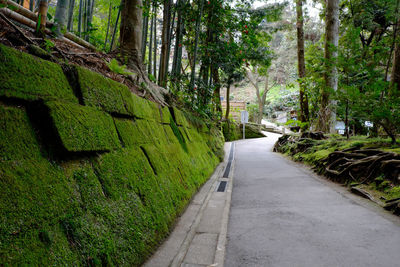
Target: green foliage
{"type": "Point", "coordinates": [48, 45]}
{"type": "Point", "coordinates": [22, 78]}
{"type": "Point", "coordinates": [364, 64]}
{"type": "Point", "coordinates": [296, 123]}
{"type": "Point", "coordinates": [253, 112]}
{"type": "Point", "coordinates": [119, 69]}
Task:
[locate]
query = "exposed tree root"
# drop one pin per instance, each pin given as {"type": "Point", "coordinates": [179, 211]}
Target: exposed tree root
{"type": "Point", "coordinates": [353, 164]}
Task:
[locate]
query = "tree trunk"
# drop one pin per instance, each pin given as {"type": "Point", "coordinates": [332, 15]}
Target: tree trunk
{"type": "Point", "coordinates": [155, 44]}
{"type": "Point", "coordinates": [304, 113]}
{"type": "Point", "coordinates": [149, 66]}
{"type": "Point", "coordinates": [196, 41]}
{"type": "Point", "coordinates": [90, 10]}
{"type": "Point", "coordinates": [115, 29]}
{"type": "Point", "coordinates": [80, 17]}
{"type": "Point", "coordinates": [42, 16]}
{"type": "Point", "coordinates": [170, 38]}
{"type": "Point", "coordinates": [263, 98]}
{"type": "Point", "coordinates": [228, 89]}
{"type": "Point", "coordinates": [217, 90]}
{"type": "Point", "coordinates": [131, 32]}
{"type": "Point", "coordinates": [327, 114]}
{"type": "Point", "coordinates": [144, 35]}
{"type": "Point", "coordinates": [84, 19]}
{"type": "Point", "coordinates": [61, 16]}
{"type": "Point", "coordinates": [178, 40]}
{"type": "Point", "coordinates": [395, 80]}
{"type": "Point", "coordinates": [260, 99]}
{"type": "Point", "coordinates": [162, 75]}
{"type": "Point", "coordinates": [130, 48]}
{"type": "Point", "coordinates": [70, 23]}
{"type": "Point", "coordinates": [346, 123]}
{"type": "Point", "coordinates": [108, 25]}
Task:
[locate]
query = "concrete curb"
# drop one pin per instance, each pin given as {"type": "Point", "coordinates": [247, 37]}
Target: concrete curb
{"type": "Point", "coordinates": [178, 259]}
{"type": "Point", "coordinates": [221, 245]}
{"type": "Point", "coordinates": [204, 220]}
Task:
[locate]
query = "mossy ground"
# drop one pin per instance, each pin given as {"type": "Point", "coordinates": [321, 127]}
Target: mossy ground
{"type": "Point", "coordinates": [103, 93]}
{"type": "Point", "coordinates": [109, 207]}
{"type": "Point", "coordinates": [30, 78]}
{"type": "Point", "coordinates": [83, 128]}
{"type": "Point", "coordinates": [322, 148]}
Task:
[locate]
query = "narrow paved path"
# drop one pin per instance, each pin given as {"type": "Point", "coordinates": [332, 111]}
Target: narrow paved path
{"type": "Point", "coordinates": [283, 215]}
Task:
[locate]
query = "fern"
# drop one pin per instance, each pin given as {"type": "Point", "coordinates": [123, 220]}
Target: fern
{"type": "Point", "coordinates": [120, 69]}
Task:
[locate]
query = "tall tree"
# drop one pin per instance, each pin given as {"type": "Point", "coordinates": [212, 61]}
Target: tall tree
{"type": "Point", "coordinates": [196, 41]}
{"type": "Point", "coordinates": [252, 76]}
{"type": "Point", "coordinates": [396, 62]}
{"type": "Point", "coordinates": [70, 22]}
{"type": "Point", "coordinates": [131, 32]}
{"type": "Point", "coordinates": [162, 75]}
{"type": "Point", "coordinates": [304, 113]}
{"type": "Point", "coordinates": [327, 114]}
{"type": "Point", "coordinates": [108, 24]}
{"type": "Point", "coordinates": [80, 17]}
{"type": "Point", "coordinates": [130, 47]}
{"type": "Point", "coordinates": [149, 66]}
{"type": "Point", "coordinates": [61, 16]}
{"type": "Point", "coordinates": [176, 63]}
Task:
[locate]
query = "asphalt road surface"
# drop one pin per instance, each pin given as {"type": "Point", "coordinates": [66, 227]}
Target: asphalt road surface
{"type": "Point", "coordinates": [283, 215]}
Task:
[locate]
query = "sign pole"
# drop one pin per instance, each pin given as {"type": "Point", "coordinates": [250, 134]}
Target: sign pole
{"type": "Point", "coordinates": [244, 118]}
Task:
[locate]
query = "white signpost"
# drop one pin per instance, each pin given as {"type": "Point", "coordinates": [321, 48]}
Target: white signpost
{"type": "Point", "coordinates": [369, 125]}
{"type": "Point", "coordinates": [244, 118]}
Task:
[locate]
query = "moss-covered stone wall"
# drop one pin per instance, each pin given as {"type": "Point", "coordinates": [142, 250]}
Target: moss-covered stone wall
{"type": "Point", "coordinates": [90, 174]}
{"type": "Point", "coordinates": [234, 131]}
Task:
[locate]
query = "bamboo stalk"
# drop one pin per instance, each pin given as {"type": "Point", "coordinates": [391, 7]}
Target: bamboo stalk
{"type": "Point", "coordinates": [29, 15]}
{"type": "Point", "coordinates": [42, 17]}
{"type": "Point", "coordinates": [115, 29]}
{"type": "Point", "coordinates": [32, 24]}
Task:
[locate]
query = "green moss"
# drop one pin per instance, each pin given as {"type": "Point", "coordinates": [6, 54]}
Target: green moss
{"type": "Point", "coordinates": [83, 128]}
{"type": "Point", "coordinates": [171, 138]}
{"type": "Point", "coordinates": [35, 197]}
{"type": "Point", "coordinates": [103, 93]}
{"type": "Point", "coordinates": [216, 141]}
{"type": "Point", "coordinates": [178, 134]}
{"type": "Point", "coordinates": [393, 192]}
{"type": "Point", "coordinates": [17, 139]}
{"type": "Point", "coordinates": [31, 78]}
{"type": "Point", "coordinates": [230, 130]}
{"type": "Point", "coordinates": [180, 118]}
{"type": "Point", "coordinates": [142, 108]}
{"type": "Point", "coordinates": [140, 132]}
{"type": "Point", "coordinates": [185, 134]}
{"type": "Point", "coordinates": [114, 229]}
{"type": "Point", "coordinates": [252, 131]}
{"type": "Point", "coordinates": [165, 162]}
{"type": "Point", "coordinates": [165, 115]}
{"type": "Point", "coordinates": [128, 171]}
